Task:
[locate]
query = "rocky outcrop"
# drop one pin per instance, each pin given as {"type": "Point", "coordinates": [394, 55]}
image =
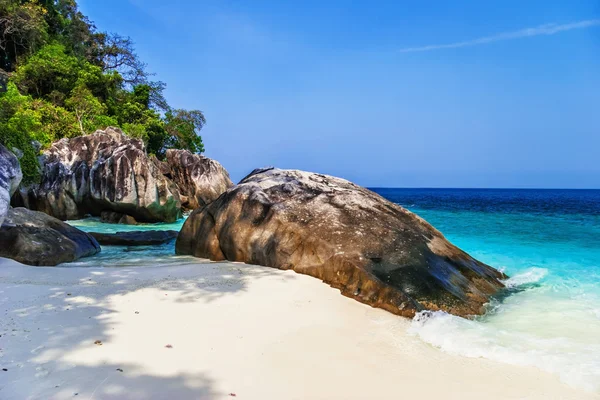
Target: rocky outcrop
{"type": "Point", "coordinates": [35, 238]}
{"type": "Point", "coordinates": [112, 217]}
{"type": "Point", "coordinates": [10, 178]}
{"type": "Point", "coordinates": [104, 171]}
{"type": "Point", "coordinates": [134, 238]}
{"type": "Point", "coordinates": [353, 239]}
{"type": "Point", "coordinates": [200, 179]}
{"type": "Point", "coordinates": [32, 237]}
{"type": "Point", "coordinates": [25, 196]}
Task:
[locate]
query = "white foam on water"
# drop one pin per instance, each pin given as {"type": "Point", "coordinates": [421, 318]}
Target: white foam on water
{"type": "Point", "coordinates": [551, 327]}
{"type": "Point", "coordinates": [577, 364]}
{"type": "Point", "coordinates": [531, 275]}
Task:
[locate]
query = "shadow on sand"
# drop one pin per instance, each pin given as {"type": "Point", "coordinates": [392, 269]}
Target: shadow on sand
{"type": "Point", "coordinates": [50, 319]}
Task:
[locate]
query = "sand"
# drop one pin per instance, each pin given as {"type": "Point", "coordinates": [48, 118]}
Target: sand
{"type": "Point", "coordinates": [223, 331]}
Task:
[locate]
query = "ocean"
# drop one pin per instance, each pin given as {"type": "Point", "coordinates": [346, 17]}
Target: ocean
{"type": "Point", "coordinates": [547, 241]}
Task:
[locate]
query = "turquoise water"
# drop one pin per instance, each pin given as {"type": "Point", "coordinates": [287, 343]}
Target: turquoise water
{"type": "Point", "coordinates": [547, 241]}
{"type": "Point", "coordinates": [129, 256]}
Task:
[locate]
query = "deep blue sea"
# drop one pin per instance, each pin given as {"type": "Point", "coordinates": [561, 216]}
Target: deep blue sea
{"type": "Point", "coordinates": [547, 241]}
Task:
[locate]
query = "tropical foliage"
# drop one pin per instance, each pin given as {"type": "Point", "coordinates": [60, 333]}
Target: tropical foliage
{"type": "Point", "coordinates": [62, 77]}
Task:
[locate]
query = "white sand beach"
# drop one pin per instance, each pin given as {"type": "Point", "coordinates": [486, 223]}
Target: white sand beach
{"type": "Point", "coordinates": [224, 330]}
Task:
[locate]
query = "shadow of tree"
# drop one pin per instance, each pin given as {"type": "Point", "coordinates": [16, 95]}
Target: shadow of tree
{"type": "Point", "coordinates": [108, 382]}
{"type": "Point", "coordinates": [51, 320]}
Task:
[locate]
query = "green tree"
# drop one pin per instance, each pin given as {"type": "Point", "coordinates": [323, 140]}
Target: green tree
{"type": "Point", "coordinates": [183, 127]}
{"type": "Point", "coordinates": [49, 70]}
{"type": "Point", "coordinates": [63, 77]}
{"type": "Point", "coordinates": [57, 122]}
{"type": "Point", "coordinates": [23, 29]}
{"type": "Point", "coordinates": [86, 108]}
{"type": "Point", "coordinates": [20, 126]}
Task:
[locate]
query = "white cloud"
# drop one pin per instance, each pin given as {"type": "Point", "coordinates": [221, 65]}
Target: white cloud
{"type": "Point", "coordinates": [546, 29]}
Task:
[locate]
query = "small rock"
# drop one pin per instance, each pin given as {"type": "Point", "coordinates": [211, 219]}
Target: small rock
{"type": "Point", "coordinates": [137, 312]}
{"type": "Point", "coordinates": [68, 294]}
{"type": "Point", "coordinates": [4, 369]}
{"type": "Point", "coordinates": [17, 152]}
{"type": "Point", "coordinates": [232, 394]}
{"type": "Point", "coordinates": [98, 342]}
{"type": "Point", "coordinates": [169, 346]}
{"type": "Point", "coordinates": [119, 369]}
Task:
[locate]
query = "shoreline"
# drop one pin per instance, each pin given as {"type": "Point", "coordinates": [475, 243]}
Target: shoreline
{"type": "Point", "coordinates": [252, 331]}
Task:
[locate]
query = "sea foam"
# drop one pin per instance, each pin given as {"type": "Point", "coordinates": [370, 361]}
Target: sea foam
{"type": "Point", "coordinates": [529, 276]}
{"type": "Point", "coordinates": [537, 327]}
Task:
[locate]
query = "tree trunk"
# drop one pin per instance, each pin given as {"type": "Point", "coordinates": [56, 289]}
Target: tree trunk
{"type": "Point", "coordinates": [80, 122]}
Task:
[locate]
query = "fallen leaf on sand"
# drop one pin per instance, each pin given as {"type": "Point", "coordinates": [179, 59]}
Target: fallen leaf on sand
{"type": "Point", "coordinates": [169, 346]}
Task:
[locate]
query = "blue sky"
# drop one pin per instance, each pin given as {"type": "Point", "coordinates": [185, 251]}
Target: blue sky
{"type": "Point", "coordinates": [397, 94]}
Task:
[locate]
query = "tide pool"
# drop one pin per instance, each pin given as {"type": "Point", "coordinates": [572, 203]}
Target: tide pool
{"type": "Point", "coordinates": [130, 256]}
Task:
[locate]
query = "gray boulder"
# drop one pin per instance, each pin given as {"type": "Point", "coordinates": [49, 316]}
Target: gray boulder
{"type": "Point", "coordinates": [35, 238]}
{"type": "Point", "coordinates": [351, 238]}
{"type": "Point", "coordinates": [10, 178]}
{"type": "Point", "coordinates": [104, 171]}
{"type": "Point", "coordinates": [200, 179]}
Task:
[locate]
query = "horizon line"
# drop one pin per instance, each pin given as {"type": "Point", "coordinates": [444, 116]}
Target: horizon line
{"type": "Point", "coordinates": [477, 188]}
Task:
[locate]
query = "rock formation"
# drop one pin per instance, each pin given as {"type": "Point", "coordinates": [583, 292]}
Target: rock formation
{"type": "Point", "coordinates": [109, 173]}
{"type": "Point", "coordinates": [353, 239]}
{"type": "Point", "coordinates": [10, 177]}
{"type": "Point", "coordinates": [134, 238]}
{"type": "Point", "coordinates": [200, 179]}
{"type": "Point", "coordinates": [35, 238]}
{"type": "Point", "coordinates": [113, 217]}
{"type": "Point", "coordinates": [104, 171]}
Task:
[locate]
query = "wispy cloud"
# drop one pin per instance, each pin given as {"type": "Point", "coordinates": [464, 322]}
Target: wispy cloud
{"type": "Point", "coordinates": [546, 29]}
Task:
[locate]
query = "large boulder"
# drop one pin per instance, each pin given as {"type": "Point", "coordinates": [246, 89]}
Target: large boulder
{"type": "Point", "coordinates": [353, 239]}
{"type": "Point", "coordinates": [10, 177]}
{"type": "Point", "coordinates": [35, 238]}
{"type": "Point", "coordinates": [200, 179]}
{"type": "Point", "coordinates": [104, 171]}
